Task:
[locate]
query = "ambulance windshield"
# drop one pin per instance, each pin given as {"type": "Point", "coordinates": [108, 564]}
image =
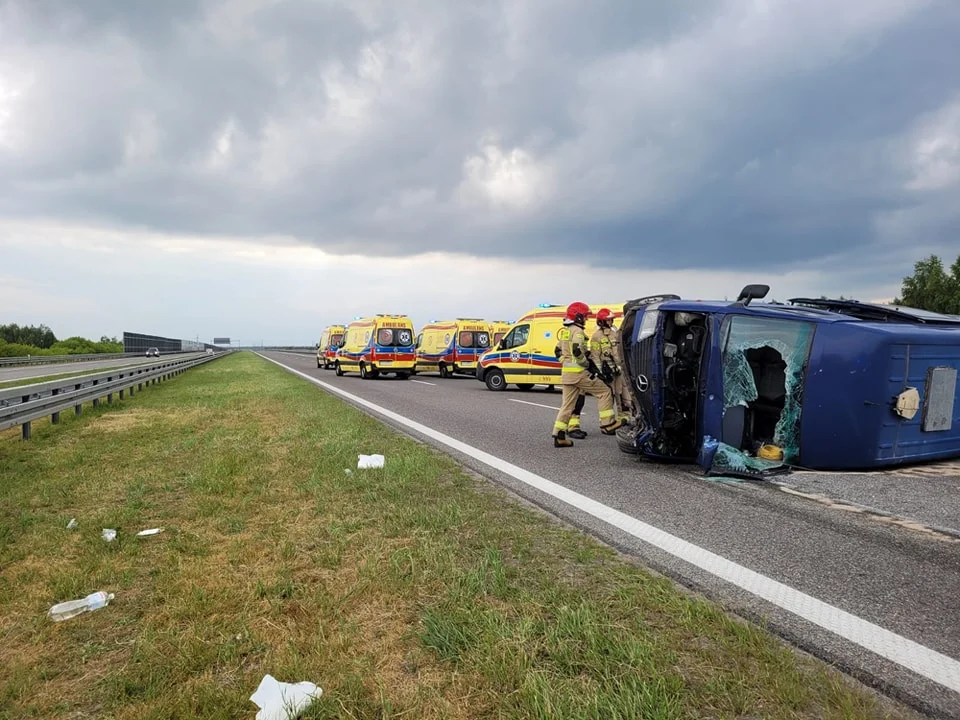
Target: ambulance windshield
{"type": "Point", "coordinates": [336, 340]}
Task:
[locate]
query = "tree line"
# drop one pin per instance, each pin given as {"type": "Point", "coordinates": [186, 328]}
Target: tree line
{"type": "Point", "coordinates": [932, 287]}
{"type": "Point", "coordinates": [19, 340]}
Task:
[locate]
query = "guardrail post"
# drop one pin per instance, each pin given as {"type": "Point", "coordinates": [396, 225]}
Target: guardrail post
{"type": "Point", "coordinates": [109, 395]}
{"type": "Point", "coordinates": [96, 401]}
{"type": "Point", "coordinates": [76, 408]}
{"type": "Point", "coordinates": [26, 430]}
{"type": "Point", "coordinates": [55, 418]}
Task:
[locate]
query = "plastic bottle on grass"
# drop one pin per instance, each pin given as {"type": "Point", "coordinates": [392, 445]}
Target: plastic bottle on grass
{"type": "Point", "coordinates": [72, 608]}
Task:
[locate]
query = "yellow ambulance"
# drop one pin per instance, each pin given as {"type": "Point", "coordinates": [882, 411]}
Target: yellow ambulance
{"type": "Point", "coordinates": [330, 339]}
{"type": "Point", "coordinates": [452, 346]}
{"type": "Point", "coordinates": [525, 357]}
{"type": "Point", "coordinates": [498, 328]}
{"type": "Point", "coordinates": [377, 345]}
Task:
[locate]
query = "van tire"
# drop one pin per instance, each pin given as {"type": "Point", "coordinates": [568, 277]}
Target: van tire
{"type": "Point", "coordinates": [494, 380]}
{"type": "Point", "coordinates": [403, 376]}
{"type": "Point", "coordinates": [337, 369]}
{"type": "Point", "coordinates": [625, 436]}
{"type": "Point", "coordinates": [363, 371]}
{"type": "Point", "coordinates": [318, 364]}
{"type": "Point", "coordinates": [525, 386]}
{"type": "Point", "coordinates": [445, 371]}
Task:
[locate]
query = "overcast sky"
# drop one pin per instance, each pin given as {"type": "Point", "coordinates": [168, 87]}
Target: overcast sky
{"type": "Point", "coordinates": [261, 168]}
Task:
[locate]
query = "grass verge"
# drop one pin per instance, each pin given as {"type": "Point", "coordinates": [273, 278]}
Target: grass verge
{"type": "Point", "coordinates": [413, 591]}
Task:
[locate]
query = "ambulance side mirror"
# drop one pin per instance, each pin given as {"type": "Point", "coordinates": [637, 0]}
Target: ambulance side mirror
{"type": "Point", "coordinates": [501, 345]}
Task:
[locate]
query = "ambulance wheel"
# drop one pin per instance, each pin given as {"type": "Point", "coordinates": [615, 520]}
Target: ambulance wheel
{"type": "Point", "coordinates": [525, 386]}
{"type": "Point", "coordinates": [318, 363]}
{"type": "Point", "coordinates": [338, 370]}
{"type": "Point", "coordinates": [445, 371]}
{"type": "Point", "coordinates": [363, 372]}
{"type": "Point", "coordinates": [494, 380]}
{"type": "Point", "coordinates": [403, 376]}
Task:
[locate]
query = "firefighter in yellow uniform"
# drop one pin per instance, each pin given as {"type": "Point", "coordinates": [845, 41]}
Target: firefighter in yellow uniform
{"type": "Point", "coordinates": [605, 344]}
{"type": "Point", "coordinates": [573, 424]}
{"type": "Point", "coordinates": [579, 375]}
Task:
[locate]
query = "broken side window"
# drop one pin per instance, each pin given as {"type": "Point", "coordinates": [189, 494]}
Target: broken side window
{"type": "Point", "coordinates": [764, 362]}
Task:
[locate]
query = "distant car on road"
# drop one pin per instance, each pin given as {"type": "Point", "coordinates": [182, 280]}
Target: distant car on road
{"type": "Point", "coordinates": [209, 351]}
{"type": "Point", "coordinates": [153, 352]}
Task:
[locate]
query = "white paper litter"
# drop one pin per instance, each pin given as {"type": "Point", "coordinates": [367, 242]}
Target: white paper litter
{"type": "Point", "coordinates": [72, 524]}
{"type": "Point", "coordinates": [151, 531]}
{"type": "Point", "coordinates": [369, 461]}
{"type": "Point", "coordinates": [109, 535]}
{"type": "Point", "coordinates": [283, 701]}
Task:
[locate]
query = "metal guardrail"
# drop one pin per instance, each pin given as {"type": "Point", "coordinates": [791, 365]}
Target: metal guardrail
{"type": "Point", "coordinates": [22, 404]}
{"type": "Point", "coordinates": [42, 359]}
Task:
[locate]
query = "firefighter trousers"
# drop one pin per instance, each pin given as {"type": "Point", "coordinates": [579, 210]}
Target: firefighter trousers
{"type": "Point", "coordinates": [573, 387]}
{"type": "Point", "coordinates": [622, 396]}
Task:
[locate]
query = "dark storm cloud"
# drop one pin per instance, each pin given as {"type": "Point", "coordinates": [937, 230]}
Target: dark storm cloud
{"type": "Point", "coordinates": [765, 134]}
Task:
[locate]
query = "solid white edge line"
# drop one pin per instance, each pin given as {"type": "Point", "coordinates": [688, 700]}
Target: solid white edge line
{"type": "Point", "coordinates": [527, 402]}
{"type": "Point", "coordinates": [423, 382]}
{"type": "Point", "coordinates": [922, 660]}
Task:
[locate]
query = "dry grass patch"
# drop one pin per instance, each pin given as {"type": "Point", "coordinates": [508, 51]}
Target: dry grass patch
{"type": "Point", "coordinates": [402, 592]}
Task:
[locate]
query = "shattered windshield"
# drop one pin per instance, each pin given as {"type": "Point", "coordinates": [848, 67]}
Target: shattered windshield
{"type": "Point", "coordinates": [764, 362]}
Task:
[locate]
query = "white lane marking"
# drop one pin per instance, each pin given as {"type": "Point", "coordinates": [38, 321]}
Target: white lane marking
{"type": "Point", "coordinates": [423, 382]}
{"type": "Point", "coordinates": [922, 660]}
{"type": "Point", "coordinates": [525, 402]}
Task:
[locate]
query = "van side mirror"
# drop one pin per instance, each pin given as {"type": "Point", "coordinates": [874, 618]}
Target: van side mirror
{"type": "Point", "coordinates": [502, 345]}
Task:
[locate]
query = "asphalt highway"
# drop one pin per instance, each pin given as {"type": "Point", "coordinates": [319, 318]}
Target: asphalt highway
{"type": "Point", "coordinates": [25, 372]}
{"type": "Point", "coordinates": [896, 578]}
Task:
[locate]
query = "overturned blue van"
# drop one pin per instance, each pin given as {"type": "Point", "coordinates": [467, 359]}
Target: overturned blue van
{"type": "Point", "coordinates": [824, 384]}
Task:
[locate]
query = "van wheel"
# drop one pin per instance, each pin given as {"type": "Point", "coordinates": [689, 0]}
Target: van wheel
{"type": "Point", "coordinates": [494, 380]}
{"type": "Point", "coordinates": [625, 437]}
{"type": "Point", "coordinates": [338, 370]}
{"type": "Point", "coordinates": [364, 373]}
{"type": "Point", "coordinates": [318, 364]}
{"type": "Point", "coordinates": [403, 376]}
{"type": "Point", "coordinates": [525, 386]}
{"type": "Point", "coordinates": [444, 371]}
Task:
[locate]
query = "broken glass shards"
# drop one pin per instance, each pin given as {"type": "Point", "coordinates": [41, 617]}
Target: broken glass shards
{"type": "Point", "coordinates": [764, 361]}
{"type": "Point", "coordinates": [728, 461]}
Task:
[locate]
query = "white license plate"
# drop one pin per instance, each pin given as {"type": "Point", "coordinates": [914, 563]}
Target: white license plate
{"type": "Point", "coordinates": [386, 362]}
{"type": "Point", "coordinates": [468, 364]}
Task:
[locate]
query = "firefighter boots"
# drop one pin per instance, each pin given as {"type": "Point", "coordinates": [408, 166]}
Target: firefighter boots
{"type": "Point", "coordinates": [561, 440]}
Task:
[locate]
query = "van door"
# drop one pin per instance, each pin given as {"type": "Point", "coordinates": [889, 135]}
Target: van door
{"type": "Point", "coordinates": [545, 367]}
{"type": "Point", "coordinates": [517, 362]}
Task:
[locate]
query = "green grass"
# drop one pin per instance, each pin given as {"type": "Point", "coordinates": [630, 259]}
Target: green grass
{"type": "Point", "coordinates": [415, 591]}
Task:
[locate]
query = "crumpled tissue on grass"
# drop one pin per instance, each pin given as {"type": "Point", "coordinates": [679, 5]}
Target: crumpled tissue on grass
{"type": "Point", "coordinates": [281, 700]}
{"type": "Point", "coordinates": [369, 461]}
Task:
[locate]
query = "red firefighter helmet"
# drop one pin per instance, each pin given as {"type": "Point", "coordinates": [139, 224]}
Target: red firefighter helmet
{"type": "Point", "coordinates": [604, 316]}
{"type": "Point", "coordinates": [578, 312]}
